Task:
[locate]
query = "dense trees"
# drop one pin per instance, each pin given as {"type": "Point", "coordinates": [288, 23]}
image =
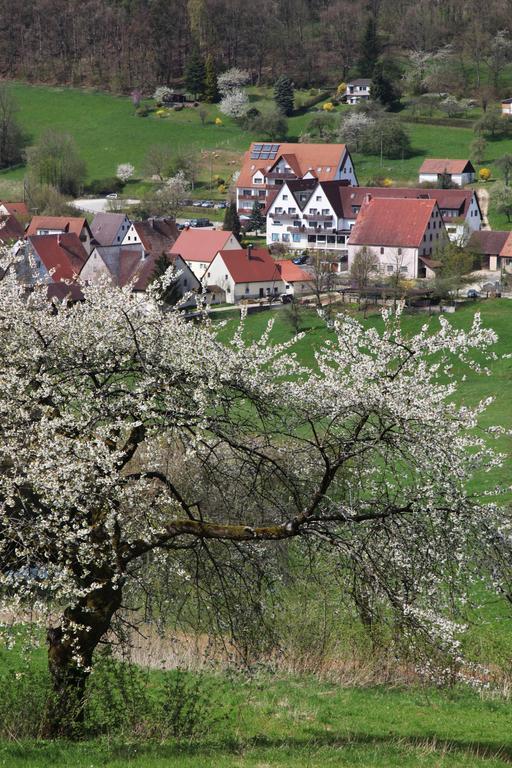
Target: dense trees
{"type": "Point", "coordinates": [12, 139]}
{"type": "Point", "coordinates": [55, 161]}
{"type": "Point", "coordinates": [144, 43]}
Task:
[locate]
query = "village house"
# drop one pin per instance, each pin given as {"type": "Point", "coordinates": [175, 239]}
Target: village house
{"type": "Point", "coordinates": [435, 171]}
{"type": "Point", "coordinates": [125, 264]}
{"type": "Point", "coordinates": [245, 274]}
{"type": "Point", "coordinates": [358, 90]}
{"type": "Point", "coordinates": [320, 215]}
{"type": "Point", "coordinates": [151, 234]}
{"type": "Point", "coordinates": [403, 235]}
{"type": "Point", "coordinates": [266, 167]}
{"type": "Point", "coordinates": [18, 209]}
{"type": "Point", "coordinates": [198, 247]}
{"type": "Point", "coordinates": [51, 258]}
{"type": "Point", "coordinates": [10, 229]}
{"type": "Point", "coordinates": [110, 228]}
{"type": "Point", "coordinates": [506, 107]}
{"type": "Point", "coordinates": [62, 225]}
{"type": "Point", "coordinates": [297, 281]}
{"type": "Point", "coordinates": [494, 249]}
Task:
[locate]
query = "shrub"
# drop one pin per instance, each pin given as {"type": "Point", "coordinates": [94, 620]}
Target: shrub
{"type": "Point", "coordinates": [105, 186]}
{"type": "Point", "coordinates": [218, 121]}
{"type": "Point", "coordinates": [328, 106]}
{"type": "Point", "coordinates": [484, 174]}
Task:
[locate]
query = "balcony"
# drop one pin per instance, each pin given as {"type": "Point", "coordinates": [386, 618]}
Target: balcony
{"type": "Point", "coordinates": [285, 176]}
{"type": "Point", "coordinates": [318, 217]}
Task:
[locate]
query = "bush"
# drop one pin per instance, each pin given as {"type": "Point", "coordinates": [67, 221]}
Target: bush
{"type": "Point", "coordinates": [484, 174]}
{"type": "Point", "coordinates": [105, 186]}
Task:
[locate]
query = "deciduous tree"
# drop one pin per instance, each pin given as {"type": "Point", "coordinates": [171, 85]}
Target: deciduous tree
{"type": "Point", "coordinates": [133, 441]}
{"type": "Point", "coordinates": [55, 161]}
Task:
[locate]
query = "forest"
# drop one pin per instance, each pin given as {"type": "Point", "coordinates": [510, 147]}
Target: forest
{"type": "Point", "coordinates": [124, 44]}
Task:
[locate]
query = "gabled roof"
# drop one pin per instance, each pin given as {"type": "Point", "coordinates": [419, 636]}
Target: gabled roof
{"type": "Point", "coordinates": [360, 81]}
{"type": "Point", "coordinates": [292, 273]}
{"type": "Point", "coordinates": [16, 209]}
{"type": "Point", "coordinates": [10, 229]}
{"type": "Point", "coordinates": [105, 227]}
{"type": "Point", "coordinates": [157, 235]}
{"type": "Point", "coordinates": [72, 224]}
{"type": "Point", "coordinates": [63, 253]}
{"type": "Point", "coordinates": [506, 101]}
{"type": "Point", "coordinates": [487, 242]}
{"type": "Point", "coordinates": [506, 251]}
{"type": "Point", "coordinates": [246, 266]}
{"type": "Point", "coordinates": [438, 165]}
{"type": "Point", "coordinates": [130, 263]}
{"type": "Point", "coordinates": [322, 159]}
{"type": "Point", "coordinates": [200, 244]}
{"type": "Point", "coordinates": [394, 222]}
{"type": "Point", "coordinates": [343, 199]}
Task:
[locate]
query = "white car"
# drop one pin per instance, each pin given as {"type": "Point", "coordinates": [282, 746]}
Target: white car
{"type": "Point", "coordinates": [112, 196]}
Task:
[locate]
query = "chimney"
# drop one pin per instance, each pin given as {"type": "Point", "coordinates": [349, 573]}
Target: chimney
{"type": "Point", "coordinates": [249, 251]}
{"type": "Point", "coordinates": [367, 197]}
{"type": "Point", "coordinates": [58, 240]}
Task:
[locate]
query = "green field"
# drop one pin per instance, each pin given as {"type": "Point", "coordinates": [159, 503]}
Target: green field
{"type": "Point", "coordinates": [108, 132]}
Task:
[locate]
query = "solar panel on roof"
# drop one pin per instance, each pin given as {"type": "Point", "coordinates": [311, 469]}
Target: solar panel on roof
{"type": "Point", "coordinates": [264, 156]}
{"type": "Point", "coordinates": [258, 147]}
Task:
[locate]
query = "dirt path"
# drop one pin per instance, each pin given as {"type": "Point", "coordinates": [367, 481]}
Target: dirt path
{"type": "Point", "coordinates": [483, 201]}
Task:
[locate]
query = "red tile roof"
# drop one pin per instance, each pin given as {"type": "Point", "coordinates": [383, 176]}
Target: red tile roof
{"type": "Point", "coordinates": [440, 165]}
{"type": "Point", "coordinates": [72, 224]}
{"type": "Point", "coordinates": [392, 222]}
{"type": "Point", "coordinates": [63, 253]}
{"type": "Point", "coordinates": [16, 209]}
{"type": "Point", "coordinates": [323, 159]}
{"type": "Point", "coordinates": [245, 266]}
{"type": "Point", "coordinates": [200, 244]}
{"type": "Point", "coordinates": [490, 243]}
{"type": "Point", "coordinates": [342, 198]}
{"type": "Point", "coordinates": [10, 229]}
{"type": "Point", "coordinates": [292, 273]}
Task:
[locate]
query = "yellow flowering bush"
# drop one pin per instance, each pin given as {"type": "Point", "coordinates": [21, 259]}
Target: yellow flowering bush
{"type": "Point", "coordinates": [484, 174]}
{"type": "Point", "coordinates": [340, 90]}
{"type": "Point", "coordinates": [387, 182]}
{"type": "Point", "coordinates": [328, 106]}
{"type": "Point", "coordinates": [218, 121]}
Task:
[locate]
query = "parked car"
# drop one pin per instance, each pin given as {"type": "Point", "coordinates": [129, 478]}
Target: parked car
{"type": "Point", "coordinates": [208, 204]}
{"type": "Point", "coordinates": [286, 298]}
{"type": "Point", "coordinates": [300, 260]}
{"type": "Point", "coordinates": [221, 205]}
{"type": "Point", "coordinates": [472, 294]}
{"type": "Point", "coordinates": [112, 196]}
{"type": "Point", "coordinates": [200, 223]}
{"type": "Point", "coordinates": [197, 203]}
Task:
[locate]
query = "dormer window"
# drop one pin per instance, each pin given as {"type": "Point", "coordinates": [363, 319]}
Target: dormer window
{"type": "Point", "coordinates": [258, 180]}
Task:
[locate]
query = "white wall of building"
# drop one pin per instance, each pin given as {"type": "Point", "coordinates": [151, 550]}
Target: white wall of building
{"type": "Point", "coordinates": [218, 274]}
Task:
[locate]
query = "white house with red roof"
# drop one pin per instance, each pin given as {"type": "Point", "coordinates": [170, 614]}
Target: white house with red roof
{"type": "Point", "coordinates": [459, 172]}
{"type": "Point", "coordinates": [198, 247]}
{"type": "Point", "coordinates": [358, 90]}
{"type": "Point", "coordinates": [266, 167]}
{"type": "Point", "coordinates": [307, 214]}
{"type": "Point", "coordinates": [296, 280]}
{"type": "Point", "coordinates": [403, 234]}
{"type": "Point", "coordinates": [245, 274]}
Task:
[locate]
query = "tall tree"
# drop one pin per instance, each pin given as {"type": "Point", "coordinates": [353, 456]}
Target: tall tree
{"type": "Point", "coordinates": [195, 73]}
{"type": "Point", "coordinates": [232, 220]}
{"type": "Point", "coordinates": [55, 161]}
{"type": "Point", "coordinates": [12, 138]}
{"type": "Point", "coordinates": [370, 48]}
{"type": "Point", "coordinates": [383, 89]}
{"type": "Point", "coordinates": [283, 94]}
{"type": "Point", "coordinates": [256, 219]}
{"type": "Point", "coordinates": [211, 88]}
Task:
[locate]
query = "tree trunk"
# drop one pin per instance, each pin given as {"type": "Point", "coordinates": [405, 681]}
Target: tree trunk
{"type": "Point", "coordinates": [71, 648]}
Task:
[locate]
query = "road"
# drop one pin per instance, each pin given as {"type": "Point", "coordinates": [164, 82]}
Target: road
{"type": "Point", "coordinates": [100, 204]}
{"type": "Point", "coordinates": [483, 201]}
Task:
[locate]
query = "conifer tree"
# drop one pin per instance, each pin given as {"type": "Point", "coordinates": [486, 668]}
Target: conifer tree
{"type": "Point", "coordinates": [283, 94]}
{"type": "Point", "coordinates": [382, 88]}
{"type": "Point", "coordinates": [195, 73]}
{"type": "Point", "coordinates": [211, 89]}
{"type": "Point", "coordinates": [370, 49]}
{"type": "Point", "coordinates": [232, 220]}
{"type": "Point", "coordinates": [257, 220]}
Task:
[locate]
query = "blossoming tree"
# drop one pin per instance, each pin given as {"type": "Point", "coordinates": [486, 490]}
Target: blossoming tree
{"type": "Point", "coordinates": [127, 433]}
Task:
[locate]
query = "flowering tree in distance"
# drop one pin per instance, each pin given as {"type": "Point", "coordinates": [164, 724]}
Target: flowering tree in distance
{"type": "Point", "coordinates": [235, 103]}
{"type": "Point", "coordinates": [125, 171]}
{"type": "Point", "coordinates": [130, 436]}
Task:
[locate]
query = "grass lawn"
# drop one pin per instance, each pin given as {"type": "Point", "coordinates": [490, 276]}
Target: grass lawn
{"type": "Point", "coordinates": [293, 722]}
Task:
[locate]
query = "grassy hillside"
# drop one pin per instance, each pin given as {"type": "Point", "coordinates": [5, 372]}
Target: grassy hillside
{"type": "Point", "coordinates": [108, 132]}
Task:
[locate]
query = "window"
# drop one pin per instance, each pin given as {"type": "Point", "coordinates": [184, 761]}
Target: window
{"type": "Point", "coordinates": [277, 223]}
{"type": "Point", "coordinates": [325, 211]}
{"type": "Point", "coordinates": [258, 180]}
{"type": "Point", "coordinates": [399, 251]}
{"type": "Point", "coordinates": [247, 289]}
{"type": "Point", "coordinates": [185, 282]}
{"type": "Point", "coordinates": [331, 239]}
{"type": "Point", "coordinates": [313, 211]}
{"type": "Point", "coordinates": [389, 269]}
{"type": "Point", "coordinates": [209, 274]}
{"type": "Point", "coordinates": [381, 251]}
{"type": "Point", "coordinates": [321, 239]}
{"type": "Point", "coordinates": [292, 210]}
{"type": "Point", "coordinates": [226, 277]}
{"type": "Point", "coordinates": [318, 198]}
{"type": "Point", "coordinates": [296, 238]}
{"type": "Point", "coordinates": [285, 197]}
{"type": "Point", "coordinates": [296, 223]}
{"type": "Point", "coordinates": [313, 224]}
{"type": "Point", "coordinates": [275, 237]}
{"type": "Point", "coordinates": [279, 209]}
{"type": "Point", "coordinates": [286, 237]}
{"type": "Point", "coordinates": [404, 269]}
